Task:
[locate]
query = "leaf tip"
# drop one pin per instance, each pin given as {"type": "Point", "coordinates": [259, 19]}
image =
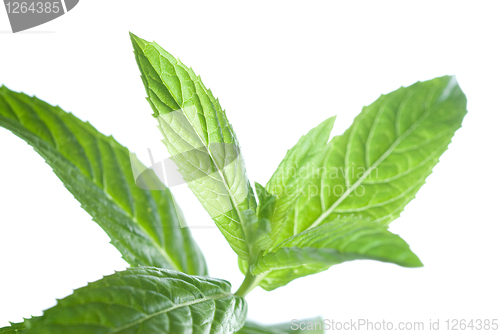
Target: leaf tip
{"type": "Point", "coordinates": [412, 261]}
{"type": "Point", "coordinates": [137, 42]}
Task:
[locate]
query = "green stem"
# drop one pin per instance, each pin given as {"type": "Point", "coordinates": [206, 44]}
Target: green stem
{"type": "Point", "coordinates": [249, 283]}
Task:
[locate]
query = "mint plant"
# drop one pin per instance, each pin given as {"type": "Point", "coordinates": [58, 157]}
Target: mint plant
{"type": "Point", "coordinates": [337, 209]}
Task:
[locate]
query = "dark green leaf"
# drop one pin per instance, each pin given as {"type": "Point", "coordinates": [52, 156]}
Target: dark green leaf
{"type": "Point", "coordinates": [145, 301]}
{"type": "Point", "coordinates": [13, 329]}
{"type": "Point", "coordinates": [144, 225]}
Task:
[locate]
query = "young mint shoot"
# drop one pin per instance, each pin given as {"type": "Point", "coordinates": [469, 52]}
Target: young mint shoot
{"type": "Point", "coordinates": [338, 209]}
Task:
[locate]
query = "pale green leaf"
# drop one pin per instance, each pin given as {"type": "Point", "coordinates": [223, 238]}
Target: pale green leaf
{"type": "Point", "coordinates": [256, 233]}
{"type": "Point", "coordinates": [376, 167]}
{"type": "Point", "coordinates": [298, 169]}
{"type": "Point", "coordinates": [267, 202]}
{"type": "Point", "coordinates": [145, 300]}
{"type": "Point", "coordinates": [257, 226]}
{"type": "Point", "coordinates": [199, 138]}
{"type": "Point", "coordinates": [333, 243]}
{"type": "Point", "coordinates": [144, 225]}
{"type": "Point", "coordinates": [372, 170]}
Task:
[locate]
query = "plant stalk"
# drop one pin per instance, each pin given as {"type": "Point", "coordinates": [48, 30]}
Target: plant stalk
{"type": "Point", "coordinates": [249, 283]}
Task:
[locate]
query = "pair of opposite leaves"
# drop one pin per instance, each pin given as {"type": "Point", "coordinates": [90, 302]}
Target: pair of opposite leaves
{"type": "Point", "coordinates": [291, 233]}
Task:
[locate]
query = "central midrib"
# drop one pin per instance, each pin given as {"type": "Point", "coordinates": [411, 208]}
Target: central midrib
{"type": "Point", "coordinates": [219, 296]}
{"type": "Point", "coordinates": [339, 201]}
{"type": "Point", "coordinates": [325, 214]}
{"type": "Point", "coordinates": [219, 170]}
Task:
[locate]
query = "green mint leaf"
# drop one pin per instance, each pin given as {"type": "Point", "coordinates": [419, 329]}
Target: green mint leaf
{"type": "Point", "coordinates": [267, 202]}
{"type": "Point", "coordinates": [257, 225]}
{"type": "Point", "coordinates": [144, 225]}
{"type": "Point", "coordinates": [287, 184]}
{"type": "Point", "coordinates": [145, 300]}
{"type": "Point", "coordinates": [377, 166]}
{"type": "Point", "coordinates": [199, 138]}
{"type": "Point", "coordinates": [372, 170]}
{"type": "Point", "coordinates": [256, 233]}
{"type": "Point", "coordinates": [13, 328]}
{"type": "Point", "coordinates": [319, 248]}
{"type": "Point", "coordinates": [315, 327]}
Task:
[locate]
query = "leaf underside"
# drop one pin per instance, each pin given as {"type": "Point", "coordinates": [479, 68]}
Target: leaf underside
{"type": "Point", "coordinates": [199, 138]}
{"type": "Point", "coordinates": [144, 225]}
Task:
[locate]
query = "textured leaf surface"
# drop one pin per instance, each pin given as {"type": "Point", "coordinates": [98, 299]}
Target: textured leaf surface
{"type": "Point", "coordinates": [257, 226]}
{"type": "Point", "coordinates": [385, 156]}
{"type": "Point", "coordinates": [199, 138]}
{"type": "Point", "coordinates": [13, 329]}
{"type": "Point", "coordinates": [256, 233]}
{"type": "Point", "coordinates": [334, 243]}
{"type": "Point", "coordinates": [296, 172]}
{"type": "Point", "coordinates": [144, 225]}
{"type": "Point", "coordinates": [372, 170]}
{"type": "Point", "coordinates": [285, 328]}
{"type": "Point", "coordinates": [145, 301]}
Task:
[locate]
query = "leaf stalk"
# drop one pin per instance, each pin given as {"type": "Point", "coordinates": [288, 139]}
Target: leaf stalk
{"type": "Point", "coordinates": [248, 284]}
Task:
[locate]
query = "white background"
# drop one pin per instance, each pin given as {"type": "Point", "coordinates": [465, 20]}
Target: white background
{"type": "Point", "coordinates": [279, 68]}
